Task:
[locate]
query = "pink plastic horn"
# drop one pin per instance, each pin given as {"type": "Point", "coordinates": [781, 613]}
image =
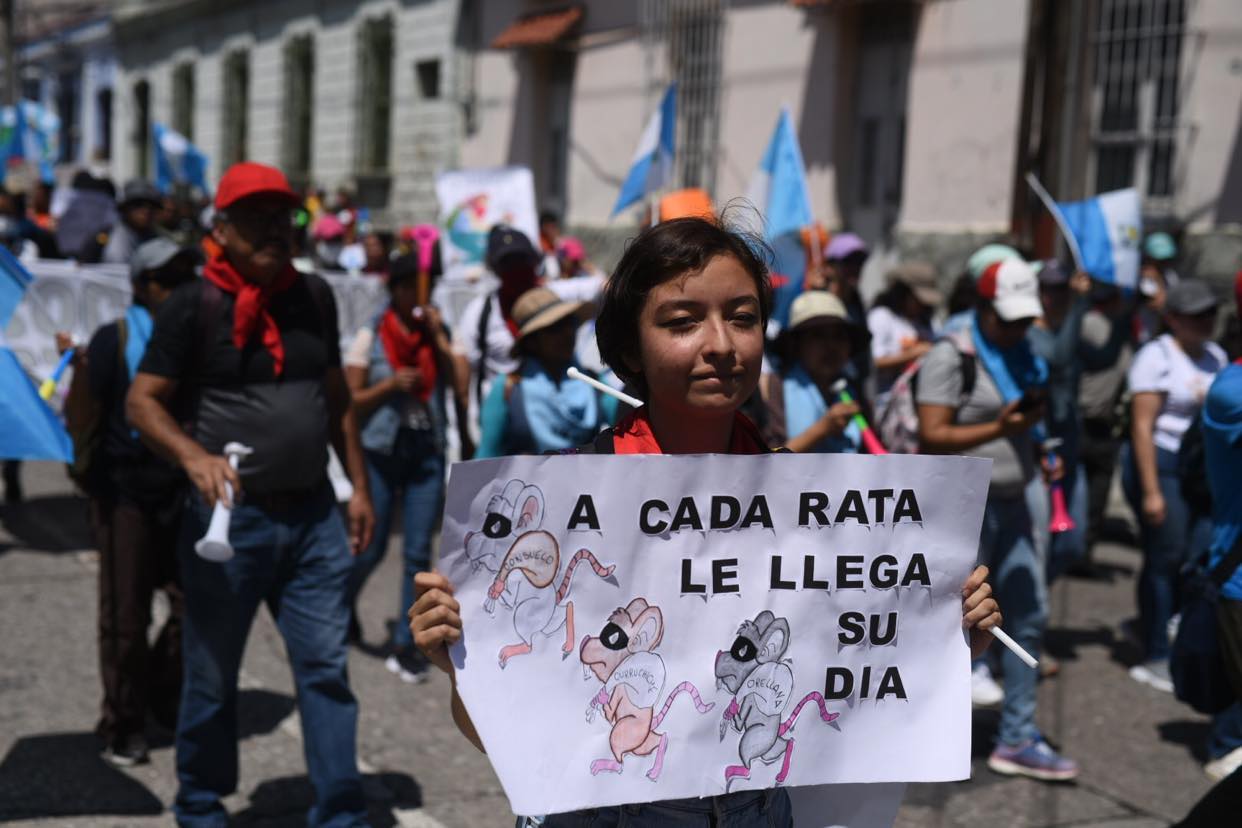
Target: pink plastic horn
{"type": "Point", "coordinates": [1061, 520]}
{"type": "Point", "coordinates": [872, 442]}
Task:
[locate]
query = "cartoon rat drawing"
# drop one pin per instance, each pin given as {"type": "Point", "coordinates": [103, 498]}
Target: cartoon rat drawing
{"type": "Point", "coordinates": [755, 670]}
{"type": "Point", "coordinates": [524, 583]}
{"type": "Point", "coordinates": [623, 657]}
{"type": "Point", "coordinates": [516, 509]}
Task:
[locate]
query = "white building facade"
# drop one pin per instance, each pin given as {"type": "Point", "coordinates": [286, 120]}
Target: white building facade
{"type": "Point", "coordinates": [917, 120]}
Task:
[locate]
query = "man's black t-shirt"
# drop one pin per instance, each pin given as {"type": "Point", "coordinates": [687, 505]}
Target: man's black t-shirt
{"type": "Point", "coordinates": [236, 395]}
{"type": "Point", "coordinates": [132, 469]}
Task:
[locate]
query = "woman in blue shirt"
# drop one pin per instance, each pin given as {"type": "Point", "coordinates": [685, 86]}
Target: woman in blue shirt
{"type": "Point", "coordinates": [538, 408]}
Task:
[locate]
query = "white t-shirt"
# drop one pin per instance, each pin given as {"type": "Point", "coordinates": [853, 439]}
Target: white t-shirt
{"type": "Point", "coordinates": [498, 341]}
{"type": "Point", "coordinates": [1162, 366]}
{"type": "Point", "coordinates": [890, 334]}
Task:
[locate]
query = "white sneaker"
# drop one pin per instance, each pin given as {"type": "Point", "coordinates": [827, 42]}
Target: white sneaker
{"type": "Point", "coordinates": [408, 666]}
{"type": "Point", "coordinates": [984, 691]}
{"type": "Point", "coordinates": [1153, 674]}
{"type": "Point", "coordinates": [1218, 769]}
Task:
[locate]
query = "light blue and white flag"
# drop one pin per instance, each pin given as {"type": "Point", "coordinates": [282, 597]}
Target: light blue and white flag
{"type": "Point", "coordinates": [778, 189]}
{"type": "Point", "coordinates": [1108, 231]}
{"type": "Point", "coordinates": [177, 161]}
{"type": "Point", "coordinates": [14, 279]}
{"type": "Point", "coordinates": [653, 160]}
{"type": "Point", "coordinates": [1103, 232]}
{"type": "Point", "coordinates": [31, 430]}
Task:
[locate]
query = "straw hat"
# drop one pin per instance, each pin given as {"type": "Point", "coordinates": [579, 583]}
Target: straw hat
{"type": "Point", "coordinates": [816, 308]}
{"type": "Point", "coordinates": [539, 308]}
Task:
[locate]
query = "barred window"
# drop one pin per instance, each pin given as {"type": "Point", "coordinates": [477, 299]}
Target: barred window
{"type": "Point", "coordinates": [236, 107]}
{"type": "Point", "coordinates": [693, 32]}
{"type": "Point", "coordinates": [1135, 106]}
{"type": "Point", "coordinates": [375, 54]}
{"type": "Point", "coordinates": [298, 108]}
{"type": "Point", "coordinates": [183, 99]}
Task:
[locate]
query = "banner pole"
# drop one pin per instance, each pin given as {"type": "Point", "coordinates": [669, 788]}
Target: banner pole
{"type": "Point", "coordinates": [1058, 218]}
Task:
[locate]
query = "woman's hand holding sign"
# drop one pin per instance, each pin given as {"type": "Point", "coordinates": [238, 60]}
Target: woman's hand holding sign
{"type": "Point", "coordinates": [435, 618]}
{"type": "Point", "coordinates": [980, 612]}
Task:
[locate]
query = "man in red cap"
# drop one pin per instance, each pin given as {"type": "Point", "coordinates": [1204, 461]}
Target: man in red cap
{"type": "Point", "coordinates": [250, 353]}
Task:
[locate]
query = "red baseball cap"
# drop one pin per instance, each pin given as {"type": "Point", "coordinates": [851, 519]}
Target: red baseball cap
{"type": "Point", "coordinates": [249, 179]}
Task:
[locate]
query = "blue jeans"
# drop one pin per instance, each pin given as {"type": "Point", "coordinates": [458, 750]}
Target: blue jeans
{"type": "Point", "coordinates": [296, 561]}
{"type": "Point", "coordinates": [1226, 734]}
{"type": "Point", "coordinates": [1166, 548]}
{"type": "Point", "coordinates": [746, 809]}
{"type": "Point", "coordinates": [1007, 548]}
{"type": "Point", "coordinates": [415, 472]}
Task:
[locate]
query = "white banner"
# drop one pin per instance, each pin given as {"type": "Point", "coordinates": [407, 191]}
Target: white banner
{"type": "Point", "coordinates": [473, 201]}
{"type": "Point", "coordinates": [69, 297]}
{"type": "Point", "coordinates": [640, 628]}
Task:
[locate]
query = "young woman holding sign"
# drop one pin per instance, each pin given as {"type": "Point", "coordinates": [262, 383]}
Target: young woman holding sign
{"type": "Point", "coordinates": [682, 323]}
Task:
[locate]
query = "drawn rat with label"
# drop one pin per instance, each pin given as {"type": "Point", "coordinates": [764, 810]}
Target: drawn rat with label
{"type": "Point", "coordinates": [755, 671]}
{"type": "Point", "coordinates": [516, 509]}
{"type": "Point", "coordinates": [623, 657]}
{"type": "Point", "coordinates": [526, 575]}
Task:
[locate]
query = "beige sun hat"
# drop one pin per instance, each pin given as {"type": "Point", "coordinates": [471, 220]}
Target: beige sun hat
{"type": "Point", "coordinates": [540, 308]}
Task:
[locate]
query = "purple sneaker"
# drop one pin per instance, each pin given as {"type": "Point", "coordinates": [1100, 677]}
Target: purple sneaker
{"type": "Point", "coordinates": [1034, 758]}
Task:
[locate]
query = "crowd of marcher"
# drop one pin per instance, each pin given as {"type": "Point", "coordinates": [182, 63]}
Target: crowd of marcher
{"type": "Point", "coordinates": [1059, 379]}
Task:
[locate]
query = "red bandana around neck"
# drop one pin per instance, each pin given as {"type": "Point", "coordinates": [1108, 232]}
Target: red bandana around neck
{"type": "Point", "coordinates": [633, 435]}
{"type": "Point", "coordinates": [409, 348]}
{"type": "Point", "coordinates": [250, 308]}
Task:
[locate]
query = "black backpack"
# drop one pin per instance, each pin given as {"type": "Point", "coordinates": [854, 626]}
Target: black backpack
{"type": "Point", "coordinates": [1192, 469]}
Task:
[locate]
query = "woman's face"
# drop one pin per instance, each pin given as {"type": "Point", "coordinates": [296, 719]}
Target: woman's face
{"type": "Point", "coordinates": [1192, 332]}
{"type": "Point", "coordinates": [1002, 334]}
{"type": "Point", "coordinates": [700, 335]}
{"type": "Point", "coordinates": [554, 345]}
{"type": "Point", "coordinates": [824, 350]}
{"type": "Point", "coordinates": [405, 297]}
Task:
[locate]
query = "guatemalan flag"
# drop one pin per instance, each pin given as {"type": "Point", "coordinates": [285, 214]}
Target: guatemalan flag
{"type": "Point", "coordinates": [177, 161]}
{"type": "Point", "coordinates": [779, 191]}
{"type": "Point", "coordinates": [1107, 229]}
{"type": "Point", "coordinates": [653, 160]}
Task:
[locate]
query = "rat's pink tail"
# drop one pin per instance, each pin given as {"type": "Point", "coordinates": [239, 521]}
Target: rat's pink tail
{"type": "Point", "coordinates": [818, 698]}
{"type": "Point", "coordinates": [684, 687]}
{"type": "Point", "coordinates": [581, 555]}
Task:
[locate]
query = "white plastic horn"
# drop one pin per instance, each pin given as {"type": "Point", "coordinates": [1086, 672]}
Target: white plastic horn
{"type": "Point", "coordinates": [214, 546]}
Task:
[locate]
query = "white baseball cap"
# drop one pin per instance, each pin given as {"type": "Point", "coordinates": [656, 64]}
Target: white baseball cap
{"type": "Point", "coordinates": [1013, 289]}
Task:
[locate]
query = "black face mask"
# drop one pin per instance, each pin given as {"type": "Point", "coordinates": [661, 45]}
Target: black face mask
{"type": "Point", "coordinates": [613, 637]}
{"type": "Point", "coordinates": [743, 649]}
{"type": "Point", "coordinates": [497, 526]}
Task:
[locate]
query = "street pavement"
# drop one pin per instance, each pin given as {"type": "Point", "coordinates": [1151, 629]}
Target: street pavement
{"type": "Point", "coordinates": [1141, 751]}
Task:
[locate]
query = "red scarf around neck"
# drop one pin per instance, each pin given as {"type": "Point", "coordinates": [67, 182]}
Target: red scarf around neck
{"type": "Point", "coordinates": [633, 435]}
{"type": "Point", "coordinates": [250, 307]}
{"type": "Point", "coordinates": [512, 287]}
{"type": "Point", "coordinates": [409, 348]}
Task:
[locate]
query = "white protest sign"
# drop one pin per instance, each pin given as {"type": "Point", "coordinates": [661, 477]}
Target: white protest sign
{"type": "Point", "coordinates": [640, 628]}
{"type": "Point", "coordinates": [78, 299]}
{"type": "Point", "coordinates": [473, 201]}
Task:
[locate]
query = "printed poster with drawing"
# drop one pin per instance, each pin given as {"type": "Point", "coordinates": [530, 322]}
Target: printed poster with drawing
{"type": "Point", "coordinates": [640, 628]}
{"type": "Point", "coordinates": [473, 201]}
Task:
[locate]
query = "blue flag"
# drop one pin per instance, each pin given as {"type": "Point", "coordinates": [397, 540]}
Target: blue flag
{"type": "Point", "coordinates": [177, 161]}
{"type": "Point", "coordinates": [31, 430]}
{"type": "Point", "coordinates": [778, 188]}
{"type": "Point", "coordinates": [1106, 230]}
{"type": "Point", "coordinates": [653, 160]}
{"type": "Point", "coordinates": [779, 191]}
{"type": "Point", "coordinates": [14, 279]}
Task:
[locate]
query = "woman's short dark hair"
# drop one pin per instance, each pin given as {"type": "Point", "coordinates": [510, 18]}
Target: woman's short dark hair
{"type": "Point", "coordinates": [669, 249]}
